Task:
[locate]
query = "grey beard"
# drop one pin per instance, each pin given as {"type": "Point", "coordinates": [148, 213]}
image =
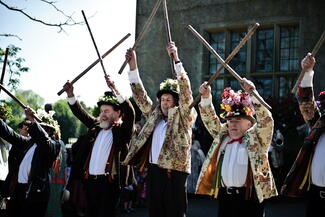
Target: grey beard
{"type": "Point", "coordinates": [105, 124]}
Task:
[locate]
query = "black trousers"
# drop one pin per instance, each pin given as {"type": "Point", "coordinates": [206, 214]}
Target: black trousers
{"type": "Point", "coordinates": [33, 206]}
{"type": "Point", "coordinates": [166, 192]}
{"type": "Point", "coordinates": [316, 202]}
{"type": "Point", "coordinates": [102, 197]}
{"type": "Point", "coordinates": [232, 203]}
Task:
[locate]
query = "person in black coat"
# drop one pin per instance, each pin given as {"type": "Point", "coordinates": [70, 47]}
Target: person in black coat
{"type": "Point", "coordinates": [98, 157]}
{"type": "Point", "coordinates": [30, 158]}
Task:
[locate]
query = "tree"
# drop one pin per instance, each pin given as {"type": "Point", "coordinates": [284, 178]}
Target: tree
{"type": "Point", "coordinates": [70, 126]}
{"type": "Point", "coordinates": [14, 65]}
{"type": "Point", "coordinates": [29, 98]}
{"type": "Point", "coordinates": [68, 19]}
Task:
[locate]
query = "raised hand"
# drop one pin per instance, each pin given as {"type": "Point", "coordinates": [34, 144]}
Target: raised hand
{"type": "Point", "coordinates": [131, 58]}
{"type": "Point", "coordinates": [68, 88]}
{"type": "Point", "coordinates": [247, 85]}
{"type": "Point", "coordinates": [307, 63]}
{"type": "Point", "coordinates": [205, 90]}
{"type": "Point", "coordinates": [172, 51]}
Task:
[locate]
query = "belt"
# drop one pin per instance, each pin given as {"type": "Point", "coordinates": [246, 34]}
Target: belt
{"type": "Point", "coordinates": [319, 191]}
{"type": "Point", "coordinates": [234, 190]}
{"type": "Point", "coordinates": [95, 177]}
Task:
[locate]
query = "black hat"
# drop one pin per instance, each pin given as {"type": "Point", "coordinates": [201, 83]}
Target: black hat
{"type": "Point", "coordinates": [169, 86]}
{"type": "Point", "coordinates": [109, 99]}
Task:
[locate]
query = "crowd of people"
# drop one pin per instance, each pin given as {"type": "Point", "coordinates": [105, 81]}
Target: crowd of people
{"type": "Point", "coordinates": [121, 165]}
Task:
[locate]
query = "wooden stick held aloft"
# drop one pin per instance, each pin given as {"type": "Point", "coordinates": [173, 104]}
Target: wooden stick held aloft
{"type": "Point", "coordinates": [143, 32]}
{"type": "Point", "coordinates": [97, 61]}
{"type": "Point", "coordinates": [313, 53]}
{"type": "Point", "coordinates": [227, 60]}
{"type": "Point", "coordinates": [4, 66]}
{"type": "Point", "coordinates": [220, 60]}
{"type": "Point", "coordinates": [169, 35]}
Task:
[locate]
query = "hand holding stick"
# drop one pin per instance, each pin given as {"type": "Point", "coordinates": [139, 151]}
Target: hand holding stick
{"type": "Point", "coordinates": [313, 53]}
{"type": "Point", "coordinates": [227, 60]}
{"type": "Point", "coordinates": [232, 72]}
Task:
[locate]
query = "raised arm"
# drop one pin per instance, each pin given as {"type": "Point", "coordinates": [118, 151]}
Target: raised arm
{"type": "Point", "coordinates": [139, 93]}
{"type": "Point", "coordinates": [8, 134]}
{"type": "Point", "coordinates": [76, 108]}
{"type": "Point", "coordinates": [305, 94]}
{"type": "Point", "coordinates": [264, 121]}
{"type": "Point", "coordinates": [208, 114]}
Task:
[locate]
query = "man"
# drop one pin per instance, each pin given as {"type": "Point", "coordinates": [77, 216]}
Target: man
{"type": "Point", "coordinates": [98, 157]}
{"type": "Point", "coordinates": [30, 158]}
{"type": "Point", "coordinates": [307, 176]}
{"type": "Point", "coordinates": [164, 142]}
{"type": "Point", "coordinates": [236, 170]}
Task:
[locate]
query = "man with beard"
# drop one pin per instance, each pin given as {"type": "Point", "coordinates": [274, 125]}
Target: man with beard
{"type": "Point", "coordinates": [98, 158]}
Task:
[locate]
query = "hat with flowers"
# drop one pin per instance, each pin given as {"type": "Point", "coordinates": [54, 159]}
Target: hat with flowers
{"type": "Point", "coordinates": [109, 99]}
{"type": "Point", "coordinates": [169, 86]}
{"type": "Point", "coordinates": [48, 121]}
{"type": "Point", "coordinates": [236, 104]}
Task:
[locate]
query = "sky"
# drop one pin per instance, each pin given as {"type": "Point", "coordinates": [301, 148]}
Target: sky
{"type": "Point", "coordinates": [54, 58]}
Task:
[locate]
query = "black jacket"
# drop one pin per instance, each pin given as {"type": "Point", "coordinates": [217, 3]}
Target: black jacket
{"type": "Point", "coordinates": [45, 153]}
{"type": "Point", "coordinates": [121, 137]}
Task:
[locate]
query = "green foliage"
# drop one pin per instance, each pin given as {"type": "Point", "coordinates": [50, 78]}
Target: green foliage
{"type": "Point", "coordinates": [70, 126]}
{"type": "Point", "coordinates": [29, 98]}
{"type": "Point", "coordinates": [14, 66]}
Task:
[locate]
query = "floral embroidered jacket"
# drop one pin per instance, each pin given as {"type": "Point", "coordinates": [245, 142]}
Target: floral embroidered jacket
{"type": "Point", "coordinates": [257, 140]}
{"type": "Point", "coordinates": [175, 153]}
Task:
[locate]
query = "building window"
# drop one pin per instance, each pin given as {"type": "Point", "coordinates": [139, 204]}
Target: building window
{"type": "Point", "coordinates": [270, 60]}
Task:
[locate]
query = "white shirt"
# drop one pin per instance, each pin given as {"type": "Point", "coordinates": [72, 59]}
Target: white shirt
{"type": "Point", "coordinates": [157, 141]}
{"type": "Point", "coordinates": [101, 150]}
{"type": "Point", "coordinates": [318, 163]}
{"type": "Point", "coordinates": [25, 165]}
{"type": "Point", "coordinates": [235, 163]}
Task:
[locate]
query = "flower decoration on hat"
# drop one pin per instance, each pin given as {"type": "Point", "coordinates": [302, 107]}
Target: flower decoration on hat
{"type": "Point", "coordinates": [47, 120]}
{"type": "Point", "coordinates": [236, 104]}
{"type": "Point", "coordinates": [109, 99]}
{"type": "Point", "coordinates": [170, 86]}
{"type": "Point", "coordinates": [5, 111]}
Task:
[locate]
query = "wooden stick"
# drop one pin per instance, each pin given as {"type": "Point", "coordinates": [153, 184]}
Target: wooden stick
{"type": "Point", "coordinates": [313, 53]}
{"type": "Point", "coordinates": [99, 56]}
{"type": "Point", "coordinates": [17, 100]}
{"type": "Point", "coordinates": [232, 72]}
{"type": "Point", "coordinates": [142, 33]}
{"type": "Point", "coordinates": [227, 60]}
{"type": "Point", "coordinates": [4, 66]}
{"type": "Point", "coordinates": [97, 61]}
{"type": "Point", "coordinates": [169, 35]}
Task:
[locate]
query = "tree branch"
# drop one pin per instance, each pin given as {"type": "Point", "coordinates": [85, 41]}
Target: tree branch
{"type": "Point", "coordinates": [11, 35]}
{"type": "Point", "coordinates": [69, 20]}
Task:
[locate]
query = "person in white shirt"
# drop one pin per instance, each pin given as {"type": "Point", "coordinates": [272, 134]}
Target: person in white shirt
{"type": "Point", "coordinates": [307, 174]}
{"type": "Point", "coordinates": [164, 143]}
{"type": "Point", "coordinates": [236, 170]}
{"type": "Point", "coordinates": [98, 157]}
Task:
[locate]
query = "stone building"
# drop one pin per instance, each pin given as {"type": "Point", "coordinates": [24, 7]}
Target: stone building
{"type": "Point", "coordinates": [288, 30]}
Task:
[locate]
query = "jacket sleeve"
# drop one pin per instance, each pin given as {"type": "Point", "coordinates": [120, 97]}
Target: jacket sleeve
{"type": "Point", "coordinates": [82, 115]}
{"type": "Point", "coordinates": [185, 97]}
{"type": "Point", "coordinates": [307, 105]}
{"type": "Point", "coordinates": [128, 120]}
{"type": "Point", "coordinates": [142, 99]}
{"type": "Point", "coordinates": [40, 137]}
{"type": "Point", "coordinates": [264, 124]}
{"type": "Point", "coordinates": [8, 134]}
{"type": "Point", "coordinates": [210, 119]}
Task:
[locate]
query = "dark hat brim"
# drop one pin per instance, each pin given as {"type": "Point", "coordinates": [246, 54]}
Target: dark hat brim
{"type": "Point", "coordinates": [248, 117]}
{"type": "Point", "coordinates": [116, 106]}
{"type": "Point", "coordinates": [173, 93]}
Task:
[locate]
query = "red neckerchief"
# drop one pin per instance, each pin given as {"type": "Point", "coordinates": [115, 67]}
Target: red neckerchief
{"type": "Point", "coordinates": [239, 140]}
